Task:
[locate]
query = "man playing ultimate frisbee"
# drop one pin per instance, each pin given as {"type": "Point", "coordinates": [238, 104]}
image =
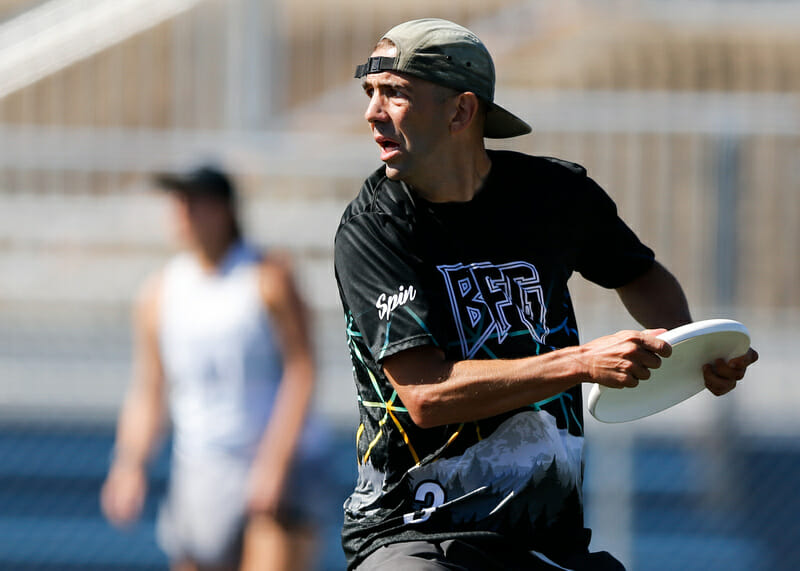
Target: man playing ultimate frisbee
{"type": "Point", "coordinates": [452, 265]}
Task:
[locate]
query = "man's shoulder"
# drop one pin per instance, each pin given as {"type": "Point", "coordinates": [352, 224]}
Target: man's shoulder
{"type": "Point", "coordinates": [536, 165]}
{"type": "Point", "coordinates": [379, 196]}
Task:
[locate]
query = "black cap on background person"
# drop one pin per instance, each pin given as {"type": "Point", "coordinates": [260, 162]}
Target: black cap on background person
{"type": "Point", "coordinates": [205, 184]}
{"type": "Point", "coordinates": [206, 180]}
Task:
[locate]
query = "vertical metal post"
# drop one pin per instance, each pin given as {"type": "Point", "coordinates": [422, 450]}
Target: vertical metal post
{"type": "Point", "coordinates": [719, 444]}
{"type": "Point", "coordinates": [610, 483]}
{"type": "Point", "coordinates": [253, 64]}
{"type": "Point", "coordinates": [234, 65]}
{"type": "Point", "coordinates": [728, 162]}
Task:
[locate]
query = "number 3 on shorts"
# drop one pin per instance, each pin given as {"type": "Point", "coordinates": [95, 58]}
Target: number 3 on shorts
{"type": "Point", "coordinates": [430, 494]}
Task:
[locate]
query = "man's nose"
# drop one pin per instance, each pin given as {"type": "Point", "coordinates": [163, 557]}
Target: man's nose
{"type": "Point", "coordinates": [375, 110]}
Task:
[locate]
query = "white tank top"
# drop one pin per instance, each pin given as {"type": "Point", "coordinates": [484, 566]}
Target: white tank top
{"type": "Point", "coordinates": [220, 357]}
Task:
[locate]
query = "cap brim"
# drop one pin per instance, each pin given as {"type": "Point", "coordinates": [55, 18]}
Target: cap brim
{"type": "Point", "coordinates": [172, 182]}
{"type": "Point", "coordinates": [502, 124]}
{"type": "Point", "coordinates": [188, 184]}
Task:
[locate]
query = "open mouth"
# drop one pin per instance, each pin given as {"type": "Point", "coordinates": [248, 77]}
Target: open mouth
{"type": "Point", "coordinates": [387, 144]}
{"type": "Point", "coordinates": [389, 148]}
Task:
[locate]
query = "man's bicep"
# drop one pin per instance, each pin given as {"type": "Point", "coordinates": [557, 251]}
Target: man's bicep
{"type": "Point", "coordinates": [414, 374]}
{"type": "Point", "coordinates": [280, 294]}
{"type": "Point", "coordinates": [147, 373]}
{"type": "Point", "coordinates": [416, 366]}
{"type": "Point", "coordinates": [656, 299]}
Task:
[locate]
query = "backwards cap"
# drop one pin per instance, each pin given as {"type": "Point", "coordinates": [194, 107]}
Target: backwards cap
{"type": "Point", "coordinates": [447, 54]}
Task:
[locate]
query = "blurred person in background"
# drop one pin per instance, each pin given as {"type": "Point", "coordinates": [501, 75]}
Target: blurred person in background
{"type": "Point", "coordinates": [222, 341]}
{"type": "Point", "coordinates": [452, 264]}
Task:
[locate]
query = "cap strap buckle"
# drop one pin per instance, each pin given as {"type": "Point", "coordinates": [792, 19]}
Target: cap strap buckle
{"type": "Point", "coordinates": [375, 65]}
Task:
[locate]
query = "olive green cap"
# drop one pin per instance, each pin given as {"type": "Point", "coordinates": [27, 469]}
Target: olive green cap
{"type": "Point", "coordinates": [447, 54]}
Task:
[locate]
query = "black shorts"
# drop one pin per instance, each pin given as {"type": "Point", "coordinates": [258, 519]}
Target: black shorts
{"type": "Point", "coordinates": [477, 555]}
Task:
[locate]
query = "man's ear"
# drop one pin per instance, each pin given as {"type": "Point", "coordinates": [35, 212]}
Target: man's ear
{"type": "Point", "coordinates": [467, 106]}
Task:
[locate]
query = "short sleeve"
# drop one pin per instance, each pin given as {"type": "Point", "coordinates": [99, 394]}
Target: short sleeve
{"type": "Point", "coordinates": [609, 252]}
{"type": "Point", "coordinates": [382, 285]}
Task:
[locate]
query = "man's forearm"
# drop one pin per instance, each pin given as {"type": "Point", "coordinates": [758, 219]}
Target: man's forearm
{"type": "Point", "coordinates": [138, 431]}
{"type": "Point", "coordinates": [283, 432]}
{"type": "Point", "coordinates": [437, 392]}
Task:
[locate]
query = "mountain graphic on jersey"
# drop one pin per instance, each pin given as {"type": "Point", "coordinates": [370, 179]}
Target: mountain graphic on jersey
{"type": "Point", "coordinates": [528, 470]}
{"type": "Point", "coordinates": [491, 301]}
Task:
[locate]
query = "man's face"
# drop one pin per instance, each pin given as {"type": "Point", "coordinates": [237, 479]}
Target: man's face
{"type": "Point", "coordinates": [409, 120]}
{"type": "Point", "coordinates": [200, 220]}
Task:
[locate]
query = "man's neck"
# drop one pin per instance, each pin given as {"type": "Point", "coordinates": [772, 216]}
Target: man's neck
{"type": "Point", "coordinates": [210, 257]}
{"type": "Point", "coordinates": [458, 179]}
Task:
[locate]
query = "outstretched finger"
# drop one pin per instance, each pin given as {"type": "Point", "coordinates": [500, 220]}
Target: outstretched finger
{"type": "Point", "coordinates": [653, 343]}
{"type": "Point", "coordinates": [655, 332]}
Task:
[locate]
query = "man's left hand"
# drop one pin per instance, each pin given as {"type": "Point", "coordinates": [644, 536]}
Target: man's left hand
{"type": "Point", "coordinates": [721, 376]}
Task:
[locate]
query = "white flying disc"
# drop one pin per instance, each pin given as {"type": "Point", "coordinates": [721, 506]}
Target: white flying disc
{"type": "Point", "coordinates": [680, 375]}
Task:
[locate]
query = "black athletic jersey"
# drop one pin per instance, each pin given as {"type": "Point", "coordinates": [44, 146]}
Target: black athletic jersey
{"type": "Point", "coordinates": [484, 279]}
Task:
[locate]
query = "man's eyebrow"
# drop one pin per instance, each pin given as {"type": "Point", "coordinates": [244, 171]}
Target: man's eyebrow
{"type": "Point", "coordinates": [394, 84]}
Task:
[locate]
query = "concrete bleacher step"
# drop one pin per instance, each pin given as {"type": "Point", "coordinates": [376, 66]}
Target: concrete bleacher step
{"type": "Point", "coordinates": [141, 220]}
{"type": "Point", "coordinates": [72, 262]}
{"type": "Point", "coordinates": [100, 248]}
